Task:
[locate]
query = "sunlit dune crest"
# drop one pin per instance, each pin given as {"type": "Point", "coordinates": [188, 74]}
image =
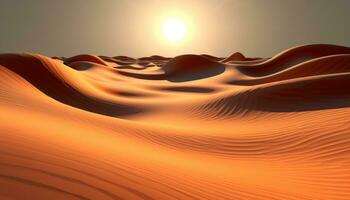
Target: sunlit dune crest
{"type": "Point", "coordinates": [188, 127]}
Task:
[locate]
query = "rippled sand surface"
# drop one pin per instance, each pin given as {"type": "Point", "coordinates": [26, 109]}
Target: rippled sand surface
{"type": "Point", "coordinates": [188, 127]}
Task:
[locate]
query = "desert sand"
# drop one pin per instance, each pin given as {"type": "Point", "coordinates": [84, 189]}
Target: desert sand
{"type": "Point", "coordinates": [188, 127]}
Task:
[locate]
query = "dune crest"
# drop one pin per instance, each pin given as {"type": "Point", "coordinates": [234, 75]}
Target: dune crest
{"type": "Point", "coordinates": [291, 57]}
{"type": "Point", "coordinates": [191, 67]}
{"type": "Point", "coordinates": [85, 57]}
{"type": "Point", "coordinates": [188, 127]}
{"type": "Point", "coordinates": [235, 57]}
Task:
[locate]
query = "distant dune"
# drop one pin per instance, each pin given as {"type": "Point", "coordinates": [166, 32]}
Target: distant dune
{"type": "Point", "coordinates": [188, 127]}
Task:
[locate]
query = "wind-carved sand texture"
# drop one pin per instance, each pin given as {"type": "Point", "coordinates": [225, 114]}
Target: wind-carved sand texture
{"type": "Point", "coordinates": [188, 127]}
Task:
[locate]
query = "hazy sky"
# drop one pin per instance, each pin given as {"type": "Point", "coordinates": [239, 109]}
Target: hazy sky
{"type": "Point", "coordinates": [133, 27]}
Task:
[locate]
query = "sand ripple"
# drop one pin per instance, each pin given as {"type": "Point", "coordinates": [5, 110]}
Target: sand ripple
{"type": "Point", "coordinates": [189, 127]}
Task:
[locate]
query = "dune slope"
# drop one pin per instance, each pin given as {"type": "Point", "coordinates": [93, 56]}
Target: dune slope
{"type": "Point", "coordinates": [188, 127]}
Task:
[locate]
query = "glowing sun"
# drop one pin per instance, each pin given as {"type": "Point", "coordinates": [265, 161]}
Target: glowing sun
{"type": "Point", "coordinates": [174, 29]}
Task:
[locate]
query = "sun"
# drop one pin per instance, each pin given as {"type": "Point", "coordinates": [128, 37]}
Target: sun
{"type": "Point", "coordinates": [174, 29]}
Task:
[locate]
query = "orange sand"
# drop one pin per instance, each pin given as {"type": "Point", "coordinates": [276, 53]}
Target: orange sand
{"type": "Point", "coordinates": [189, 127]}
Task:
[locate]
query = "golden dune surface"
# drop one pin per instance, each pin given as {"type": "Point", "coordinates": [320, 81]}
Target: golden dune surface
{"type": "Point", "coordinates": [188, 127]}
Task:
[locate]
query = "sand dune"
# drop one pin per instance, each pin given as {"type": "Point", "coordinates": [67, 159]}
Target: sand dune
{"type": "Point", "coordinates": [235, 57]}
{"type": "Point", "coordinates": [89, 58]}
{"type": "Point", "coordinates": [190, 67]}
{"type": "Point", "coordinates": [188, 127]}
{"type": "Point", "coordinates": [292, 57]}
{"type": "Point", "coordinates": [319, 66]}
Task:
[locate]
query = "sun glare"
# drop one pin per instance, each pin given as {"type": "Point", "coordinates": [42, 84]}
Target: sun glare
{"type": "Point", "coordinates": [174, 29]}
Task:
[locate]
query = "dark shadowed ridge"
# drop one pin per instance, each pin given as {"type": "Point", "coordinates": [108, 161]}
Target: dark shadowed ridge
{"type": "Point", "coordinates": [191, 67]}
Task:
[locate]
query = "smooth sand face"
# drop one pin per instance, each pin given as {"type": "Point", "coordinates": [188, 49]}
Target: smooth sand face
{"type": "Point", "coordinates": [189, 127]}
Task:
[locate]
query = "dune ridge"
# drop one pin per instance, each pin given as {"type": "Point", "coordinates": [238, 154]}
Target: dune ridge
{"type": "Point", "coordinates": [188, 127]}
{"type": "Point", "coordinates": [292, 57]}
{"type": "Point", "coordinates": [319, 66]}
